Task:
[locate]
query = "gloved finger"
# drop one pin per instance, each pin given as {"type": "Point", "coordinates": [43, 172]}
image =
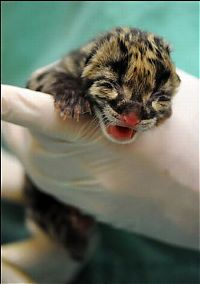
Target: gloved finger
{"type": "Point", "coordinates": [29, 257]}
{"type": "Point", "coordinates": [26, 107]}
{"type": "Point", "coordinates": [35, 110]}
{"type": "Point", "coordinates": [11, 187]}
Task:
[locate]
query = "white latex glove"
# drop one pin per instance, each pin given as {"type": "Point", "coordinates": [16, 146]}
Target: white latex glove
{"type": "Point", "coordinates": [149, 187]}
{"type": "Point", "coordinates": [37, 260]}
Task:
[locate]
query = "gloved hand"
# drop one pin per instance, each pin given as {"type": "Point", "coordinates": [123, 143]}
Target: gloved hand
{"type": "Point", "coordinates": [149, 187]}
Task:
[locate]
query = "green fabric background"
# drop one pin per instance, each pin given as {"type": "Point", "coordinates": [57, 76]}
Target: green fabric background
{"type": "Point", "coordinates": [37, 33]}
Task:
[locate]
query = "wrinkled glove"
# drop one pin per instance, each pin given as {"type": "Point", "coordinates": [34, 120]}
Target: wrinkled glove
{"type": "Point", "coordinates": [149, 187]}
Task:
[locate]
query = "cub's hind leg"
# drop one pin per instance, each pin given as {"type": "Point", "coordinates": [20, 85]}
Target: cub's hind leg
{"type": "Point", "coordinates": [67, 225]}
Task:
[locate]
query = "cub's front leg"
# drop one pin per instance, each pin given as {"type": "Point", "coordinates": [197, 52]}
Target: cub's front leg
{"type": "Point", "coordinates": [68, 89]}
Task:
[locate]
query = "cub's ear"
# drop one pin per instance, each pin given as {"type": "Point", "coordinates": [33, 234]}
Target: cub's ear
{"type": "Point", "coordinates": [176, 81]}
{"type": "Point", "coordinates": [168, 47]}
{"type": "Point", "coordinates": [178, 78]}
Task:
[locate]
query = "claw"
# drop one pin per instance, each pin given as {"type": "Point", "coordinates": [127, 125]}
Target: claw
{"type": "Point", "coordinates": [77, 111]}
{"type": "Point", "coordinates": [63, 115]}
{"type": "Point", "coordinates": [87, 108]}
{"type": "Point", "coordinates": [72, 107]}
{"type": "Point", "coordinates": [57, 105]}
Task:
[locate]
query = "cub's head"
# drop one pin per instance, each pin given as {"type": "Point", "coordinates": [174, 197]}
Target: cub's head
{"type": "Point", "coordinates": [132, 81]}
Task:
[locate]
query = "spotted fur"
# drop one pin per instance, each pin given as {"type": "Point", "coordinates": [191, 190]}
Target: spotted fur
{"type": "Point", "coordinates": [114, 72]}
{"type": "Point", "coordinates": [121, 71]}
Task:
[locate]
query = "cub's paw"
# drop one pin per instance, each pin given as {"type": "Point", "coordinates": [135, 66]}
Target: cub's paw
{"type": "Point", "coordinates": [72, 106]}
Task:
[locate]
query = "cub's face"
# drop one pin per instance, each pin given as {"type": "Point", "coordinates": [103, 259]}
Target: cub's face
{"type": "Point", "coordinates": [132, 82]}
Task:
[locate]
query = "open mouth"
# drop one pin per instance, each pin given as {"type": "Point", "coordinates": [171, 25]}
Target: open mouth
{"type": "Point", "coordinates": [125, 131]}
{"type": "Point", "coordinates": [120, 133]}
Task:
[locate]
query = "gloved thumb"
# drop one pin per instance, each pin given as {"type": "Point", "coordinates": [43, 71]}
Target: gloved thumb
{"type": "Point", "coordinates": [36, 111]}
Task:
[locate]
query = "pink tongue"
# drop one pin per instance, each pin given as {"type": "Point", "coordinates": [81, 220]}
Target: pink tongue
{"type": "Point", "coordinates": [122, 133]}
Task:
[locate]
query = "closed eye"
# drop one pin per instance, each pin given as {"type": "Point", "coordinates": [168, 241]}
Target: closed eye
{"type": "Point", "coordinates": [107, 85]}
{"type": "Point", "coordinates": [160, 96]}
{"type": "Point", "coordinates": [161, 105]}
{"type": "Point", "coordinates": [104, 83]}
{"type": "Point", "coordinates": [164, 98]}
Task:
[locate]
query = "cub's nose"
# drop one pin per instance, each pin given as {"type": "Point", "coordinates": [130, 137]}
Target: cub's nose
{"type": "Point", "coordinates": [131, 119]}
